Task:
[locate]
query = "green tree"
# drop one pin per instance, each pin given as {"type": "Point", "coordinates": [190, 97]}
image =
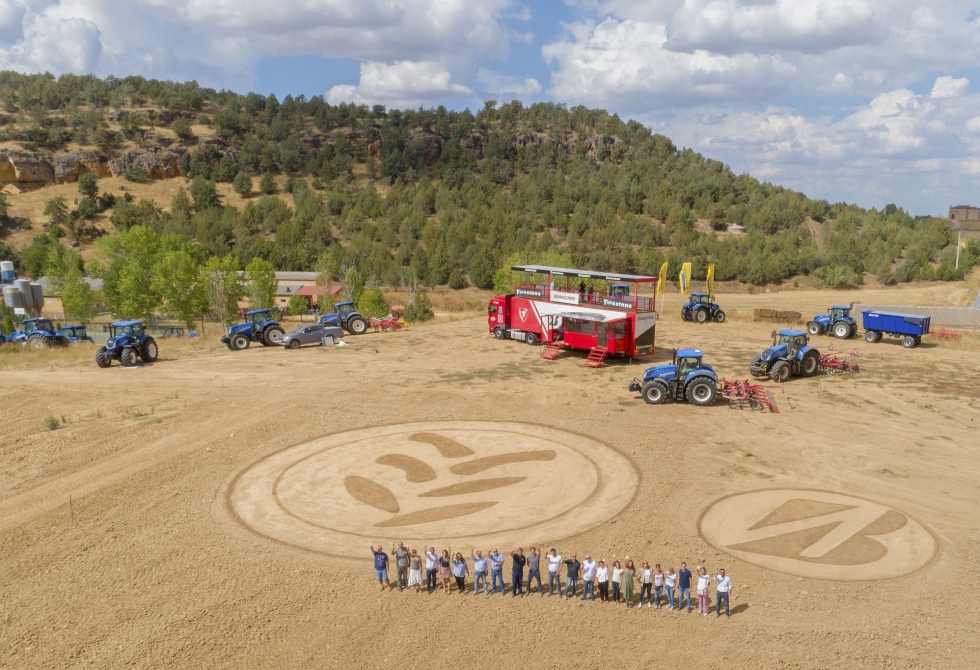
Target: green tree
{"type": "Point", "coordinates": [372, 303]}
{"type": "Point", "coordinates": [57, 209]}
{"type": "Point", "coordinates": [35, 257]}
{"type": "Point", "coordinates": [298, 305]}
{"type": "Point", "coordinates": [420, 308]}
{"type": "Point", "coordinates": [177, 280]}
{"type": "Point", "coordinates": [351, 284]}
{"type": "Point", "coordinates": [482, 268]}
{"type": "Point", "coordinates": [125, 263]}
{"type": "Point", "coordinates": [64, 271]}
{"type": "Point", "coordinates": [182, 128]}
{"type": "Point", "coordinates": [205, 194]}
{"type": "Point", "coordinates": [88, 185]}
{"type": "Point", "coordinates": [457, 280]}
{"type": "Point", "coordinates": [223, 287]}
{"type": "Point", "coordinates": [262, 284]}
{"type": "Point", "coordinates": [242, 184]}
{"type": "Point", "coordinates": [267, 184]}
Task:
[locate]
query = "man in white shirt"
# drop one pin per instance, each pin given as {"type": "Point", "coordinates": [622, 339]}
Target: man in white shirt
{"type": "Point", "coordinates": [724, 586]}
{"type": "Point", "coordinates": [554, 572]}
{"type": "Point", "coordinates": [588, 577]}
{"type": "Point", "coordinates": [431, 566]}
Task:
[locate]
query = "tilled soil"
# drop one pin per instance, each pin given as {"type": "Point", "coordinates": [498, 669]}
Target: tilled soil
{"type": "Point", "coordinates": [119, 548]}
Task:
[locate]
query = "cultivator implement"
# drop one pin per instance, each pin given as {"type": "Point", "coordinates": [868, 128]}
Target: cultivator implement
{"type": "Point", "coordinates": [388, 323]}
{"type": "Point", "coordinates": [756, 396]}
{"type": "Point", "coordinates": [832, 365]}
{"type": "Point", "coordinates": [943, 333]}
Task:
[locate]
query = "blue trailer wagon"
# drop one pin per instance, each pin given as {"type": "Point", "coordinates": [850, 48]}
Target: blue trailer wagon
{"type": "Point", "coordinates": [909, 327]}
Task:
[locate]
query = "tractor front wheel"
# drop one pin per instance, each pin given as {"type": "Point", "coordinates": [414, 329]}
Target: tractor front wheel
{"type": "Point", "coordinates": [149, 351]}
{"type": "Point", "coordinates": [272, 336]}
{"type": "Point", "coordinates": [719, 316]}
{"type": "Point", "coordinates": [810, 364]}
{"type": "Point", "coordinates": [128, 357]}
{"type": "Point", "coordinates": [357, 325]}
{"type": "Point", "coordinates": [37, 342]}
{"type": "Point", "coordinates": [813, 328]}
{"type": "Point", "coordinates": [685, 313]}
{"type": "Point", "coordinates": [756, 367]}
{"type": "Point", "coordinates": [654, 393]}
{"type": "Point", "coordinates": [701, 315]}
{"type": "Point", "coordinates": [239, 342]}
{"type": "Point", "coordinates": [908, 341]}
{"type": "Point", "coordinates": [102, 358]}
{"type": "Point", "coordinates": [701, 392]}
{"type": "Point", "coordinates": [842, 330]}
{"type": "Point", "coordinates": [780, 372]}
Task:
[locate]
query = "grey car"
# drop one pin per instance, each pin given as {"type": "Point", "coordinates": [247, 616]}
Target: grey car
{"type": "Point", "coordinates": [311, 333]}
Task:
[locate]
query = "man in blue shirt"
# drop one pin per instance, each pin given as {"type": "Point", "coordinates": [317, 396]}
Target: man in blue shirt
{"type": "Point", "coordinates": [684, 584]}
{"type": "Point", "coordinates": [381, 566]}
{"type": "Point", "coordinates": [497, 571]}
{"type": "Point", "coordinates": [479, 571]}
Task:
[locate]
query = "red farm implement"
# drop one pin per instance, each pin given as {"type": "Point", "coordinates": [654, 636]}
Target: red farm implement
{"type": "Point", "coordinates": [387, 323]}
{"type": "Point", "coordinates": [832, 365]}
{"type": "Point", "coordinates": [943, 333]}
{"type": "Point", "coordinates": [756, 396]}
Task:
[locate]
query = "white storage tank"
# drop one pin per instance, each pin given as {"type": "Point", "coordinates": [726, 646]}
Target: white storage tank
{"type": "Point", "coordinates": [24, 286]}
{"type": "Point", "coordinates": [7, 275]}
{"type": "Point", "coordinates": [37, 294]}
{"type": "Point", "coordinates": [12, 297]}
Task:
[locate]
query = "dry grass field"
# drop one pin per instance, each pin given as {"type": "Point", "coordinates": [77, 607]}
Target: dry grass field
{"type": "Point", "coordinates": [146, 529]}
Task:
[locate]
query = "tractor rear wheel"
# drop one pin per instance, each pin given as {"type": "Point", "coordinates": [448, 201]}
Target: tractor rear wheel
{"type": "Point", "coordinates": [654, 393]}
{"type": "Point", "coordinates": [810, 364]}
{"type": "Point", "coordinates": [780, 372]}
{"type": "Point", "coordinates": [756, 367]}
{"type": "Point", "coordinates": [102, 358]}
{"type": "Point", "coordinates": [272, 336]}
{"type": "Point", "coordinates": [701, 315]}
{"type": "Point", "coordinates": [842, 330]}
{"type": "Point", "coordinates": [908, 341]}
{"type": "Point", "coordinates": [37, 341]}
{"type": "Point", "coordinates": [128, 357]}
{"type": "Point", "coordinates": [719, 316]}
{"type": "Point", "coordinates": [871, 337]}
{"type": "Point", "coordinates": [149, 350]}
{"type": "Point", "coordinates": [357, 325]}
{"type": "Point", "coordinates": [499, 333]}
{"type": "Point", "coordinates": [813, 328]}
{"type": "Point", "coordinates": [239, 342]}
{"type": "Point", "coordinates": [701, 392]}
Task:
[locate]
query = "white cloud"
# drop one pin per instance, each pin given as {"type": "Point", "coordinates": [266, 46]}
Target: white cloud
{"type": "Point", "coordinates": [973, 125]}
{"type": "Point", "coordinates": [404, 84]}
{"type": "Point", "coordinates": [627, 64]}
{"type": "Point", "coordinates": [948, 87]}
{"type": "Point", "coordinates": [11, 20]}
{"type": "Point", "coordinates": [506, 88]}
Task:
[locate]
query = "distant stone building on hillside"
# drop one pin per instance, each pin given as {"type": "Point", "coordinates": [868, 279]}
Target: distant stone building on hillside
{"type": "Point", "coordinates": [964, 213]}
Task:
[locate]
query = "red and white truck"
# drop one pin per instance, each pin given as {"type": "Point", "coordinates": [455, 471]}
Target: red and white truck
{"type": "Point", "coordinates": [618, 322]}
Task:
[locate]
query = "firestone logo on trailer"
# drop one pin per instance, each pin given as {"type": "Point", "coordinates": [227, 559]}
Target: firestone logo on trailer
{"type": "Point", "coordinates": [818, 534]}
{"type": "Point", "coordinates": [523, 312]}
{"type": "Point", "coordinates": [455, 483]}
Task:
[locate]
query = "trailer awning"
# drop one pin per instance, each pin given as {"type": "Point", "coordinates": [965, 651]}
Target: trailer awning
{"type": "Point", "coordinates": [584, 274]}
{"type": "Point", "coordinates": [592, 316]}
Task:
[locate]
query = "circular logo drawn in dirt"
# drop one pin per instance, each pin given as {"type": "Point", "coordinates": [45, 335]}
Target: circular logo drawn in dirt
{"type": "Point", "coordinates": [456, 483]}
{"type": "Point", "coordinates": [818, 534]}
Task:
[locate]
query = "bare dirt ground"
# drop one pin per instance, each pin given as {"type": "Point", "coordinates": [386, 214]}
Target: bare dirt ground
{"type": "Point", "coordinates": [120, 544]}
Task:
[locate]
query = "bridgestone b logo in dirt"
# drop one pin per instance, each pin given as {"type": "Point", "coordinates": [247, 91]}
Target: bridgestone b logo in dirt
{"type": "Point", "coordinates": [458, 484]}
{"type": "Point", "coordinates": [818, 534]}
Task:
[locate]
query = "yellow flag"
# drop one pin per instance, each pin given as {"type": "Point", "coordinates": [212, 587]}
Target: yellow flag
{"type": "Point", "coordinates": [710, 284]}
{"type": "Point", "coordinates": [662, 279]}
{"type": "Point", "coordinates": [685, 278]}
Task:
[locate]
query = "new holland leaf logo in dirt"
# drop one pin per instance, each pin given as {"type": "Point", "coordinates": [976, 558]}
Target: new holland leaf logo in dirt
{"type": "Point", "coordinates": [818, 534]}
{"type": "Point", "coordinates": [451, 483]}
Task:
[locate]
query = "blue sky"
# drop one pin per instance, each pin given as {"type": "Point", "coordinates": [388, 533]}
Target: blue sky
{"type": "Point", "coordinates": [868, 101]}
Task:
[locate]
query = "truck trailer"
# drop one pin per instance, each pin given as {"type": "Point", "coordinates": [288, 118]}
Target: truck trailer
{"type": "Point", "coordinates": [557, 312]}
{"type": "Point", "coordinates": [908, 327]}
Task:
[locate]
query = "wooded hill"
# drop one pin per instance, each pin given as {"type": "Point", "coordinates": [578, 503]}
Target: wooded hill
{"type": "Point", "coordinates": [436, 195]}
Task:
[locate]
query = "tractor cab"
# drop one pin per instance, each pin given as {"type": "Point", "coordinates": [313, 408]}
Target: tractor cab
{"type": "Point", "coordinates": [258, 318]}
{"type": "Point", "coordinates": [39, 325]}
{"type": "Point", "coordinates": [124, 329]}
{"type": "Point", "coordinates": [76, 333]}
{"type": "Point", "coordinates": [619, 290]}
{"type": "Point", "coordinates": [838, 312]}
{"type": "Point", "coordinates": [794, 340]}
{"type": "Point", "coordinates": [687, 361]}
{"type": "Point", "coordinates": [700, 299]}
{"type": "Point", "coordinates": [344, 309]}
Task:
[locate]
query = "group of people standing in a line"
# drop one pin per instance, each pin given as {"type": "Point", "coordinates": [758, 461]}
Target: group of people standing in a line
{"type": "Point", "coordinates": [616, 582]}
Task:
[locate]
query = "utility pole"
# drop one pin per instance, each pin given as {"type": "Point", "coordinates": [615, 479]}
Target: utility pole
{"type": "Point", "coordinates": [959, 232]}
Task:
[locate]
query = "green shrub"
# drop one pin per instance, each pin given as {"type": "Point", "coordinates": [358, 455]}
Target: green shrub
{"type": "Point", "coordinates": [136, 173]}
{"type": "Point", "coordinates": [457, 280]}
{"type": "Point", "coordinates": [51, 423]}
{"type": "Point", "coordinates": [298, 305]}
{"type": "Point", "coordinates": [420, 308]}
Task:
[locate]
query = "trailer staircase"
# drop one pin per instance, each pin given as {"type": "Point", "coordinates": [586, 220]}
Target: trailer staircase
{"type": "Point", "coordinates": [551, 350]}
{"type": "Point", "coordinates": [595, 358]}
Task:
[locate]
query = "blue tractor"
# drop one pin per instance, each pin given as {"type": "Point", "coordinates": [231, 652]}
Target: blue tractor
{"type": "Point", "coordinates": [790, 354]}
{"type": "Point", "coordinates": [127, 342]}
{"type": "Point", "coordinates": [259, 326]}
{"type": "Point", "coordinates": [346, 317]}
{"type": "Point", "coordinates": [837, 320]}
{"type": "Point", "coordinates": [700, 308]}
{"type": "Point", "coordinates": [40, 333]}
{"type": "Point", "coordinates": [76, 334]}
{"type": "Point", "coordinates": [685, 378]}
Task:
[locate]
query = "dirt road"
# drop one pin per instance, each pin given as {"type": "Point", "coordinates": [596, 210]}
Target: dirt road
{"type": "Point", "coordinates": [121, 544]}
